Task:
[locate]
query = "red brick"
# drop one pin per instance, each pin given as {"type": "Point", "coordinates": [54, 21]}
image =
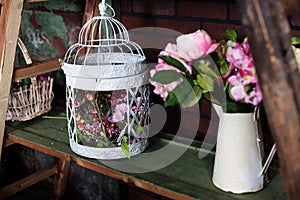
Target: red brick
{"type": "Point", "coordinates": [202, 9]}
{"type": "Point", "coordinates": [234, 12]}
{"type": "Point", "coordinates": [295, 19]}
{"type": "Point", "coordinates": [153, 37]}
{"type": "Point", "coordinates": [217, 31]}
{"type": "Point", "coordinates": [155, 7]}
{"type": "Point", "coordinates": [295, 33]}
{"type": "Point", "coordinates": [178, 25]}
{"type": "Point", "coordinates": [136, 22]}
{"type": "Point", "coordinates": [205, 107]}
{"type": "Point", "coordinates": [59, 45]}
{"type": "Point", "coordinates": [125, 6]}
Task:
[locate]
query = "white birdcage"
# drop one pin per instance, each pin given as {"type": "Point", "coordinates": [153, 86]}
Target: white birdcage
{"type": "Point", "coordinates": [107, 91]}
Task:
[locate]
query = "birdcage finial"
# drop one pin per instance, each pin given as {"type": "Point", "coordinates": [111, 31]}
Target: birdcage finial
{"type": "Point", "coordinates": [102, 8]}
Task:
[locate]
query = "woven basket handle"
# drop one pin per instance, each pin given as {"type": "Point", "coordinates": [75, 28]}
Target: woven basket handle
{"type": "Point", "coordinates": [24, 51]}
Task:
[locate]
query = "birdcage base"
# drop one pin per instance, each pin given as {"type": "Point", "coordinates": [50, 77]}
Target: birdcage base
{"type": "Point", "coordinates": [108, 153]}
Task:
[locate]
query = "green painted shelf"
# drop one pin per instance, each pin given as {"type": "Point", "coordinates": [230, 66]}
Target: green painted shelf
{"type": "Point", "coordinates": [188, 177]}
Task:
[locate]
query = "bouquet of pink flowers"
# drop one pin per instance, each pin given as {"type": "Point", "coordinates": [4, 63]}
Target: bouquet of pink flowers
{"type": "Point", "coordinates": [197, 67]}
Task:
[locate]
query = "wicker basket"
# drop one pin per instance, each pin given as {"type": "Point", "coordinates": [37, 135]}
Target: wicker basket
{"type": "Point", "coordinates": [25, 104]}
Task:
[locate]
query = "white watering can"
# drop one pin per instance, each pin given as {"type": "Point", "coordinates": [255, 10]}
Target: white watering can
{"type": "Point", "coordinates": [238, 166]}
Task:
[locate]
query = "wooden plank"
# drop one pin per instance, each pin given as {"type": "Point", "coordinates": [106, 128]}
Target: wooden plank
{"type": "Point", "coordinates": [268, 30]}
{"type": "Point", "coordinates": [36, 69]}
{"type": "Point", "coordinates": [37, 146]}
{"type": "Point", "coordinates": [90, 6]}
{"type": "Point", "coordinates": [10, 20]}
{"type": "Point", "coordinates": [187, 178]}
{"type": "Point", "coordinates": [27, 182]}
{"type": "Point", "coordinates": [61, 179]}
{"type": "Point", "coordinates": [34, 1]}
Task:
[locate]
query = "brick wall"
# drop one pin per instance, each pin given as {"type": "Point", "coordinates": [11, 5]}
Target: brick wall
{"type": "Point", "coordinates": [215, 16]}
{"type": "Point", "coordinates": [182, 15]}
{"type": "Point", "coordinates": [185, 16]}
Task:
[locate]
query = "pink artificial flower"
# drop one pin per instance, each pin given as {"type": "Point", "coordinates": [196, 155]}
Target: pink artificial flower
{"type": "Point", "coordinates": [238, 92]}
{"type": "Point", "coordinates": [117, 116]}
{"type": "Point", "coordinates": [119, 112]}
{"type": "Point", "coordinates": [122, 108]}
{"type": "Point", "coordinates": [195, 45]}
{"type": "Point", "coordinates": [164, 89]}
{"type": "Point", "coordinates": [170, 50]}
{"type": "Point", "coordinates": [255, 97]}
{"type": "Point", "coordinates": [234, 80]}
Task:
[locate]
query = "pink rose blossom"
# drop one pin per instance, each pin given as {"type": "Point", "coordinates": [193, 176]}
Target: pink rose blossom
{"type": "Point", "coordinates": [195, 45]}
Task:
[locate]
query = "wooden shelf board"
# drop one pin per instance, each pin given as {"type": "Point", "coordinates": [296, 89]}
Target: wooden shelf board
{"type": "Point", "coordinates": [187, 178]}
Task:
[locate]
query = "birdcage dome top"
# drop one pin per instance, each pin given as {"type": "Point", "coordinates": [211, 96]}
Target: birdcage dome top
{"type": "Point", "coordinates": [104, 57]}
{"type": "Point", "coordinates": [103, 30]}
{"type": "Point", "coordinates": [104, 41]}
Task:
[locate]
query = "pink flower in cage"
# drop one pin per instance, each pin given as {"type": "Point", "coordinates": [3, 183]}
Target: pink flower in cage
{"type": "Point", "coordinates": [119, 112]}
{"type": "Point", "coordinates": [90, 96]}
{"type": "Point", "coordinates": [76, 104]}
{"type": "Point", "coordinates": [122, 108]}
{"type": "Point", "coordinates": [93, 111]}
{"type": "Point", "coordinates": [117, 116]}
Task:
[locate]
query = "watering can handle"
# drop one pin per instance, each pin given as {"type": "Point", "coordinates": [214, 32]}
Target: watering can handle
{"type": "Point", "coordinates": [272, 152]}
{"type": "Point", "coordinates": [269, 160]}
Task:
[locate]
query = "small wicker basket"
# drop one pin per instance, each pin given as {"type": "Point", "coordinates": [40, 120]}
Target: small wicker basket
{"type": "Point", "coordinates": [32, 101]}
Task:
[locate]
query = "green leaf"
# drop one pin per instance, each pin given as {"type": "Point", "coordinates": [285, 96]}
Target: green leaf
{"type": "Point", "coordinates": [207, 70]}
{"type": "Point", "coordinates": [166, 76]}
{"type": "Point", "coordinates": [231, 35]}
{"type": "Point", "coordinates": [79, 135]}
{"type": "Point", "coordinates": [210, 98]}
{"type": "Point", "coordinates": [295, 40]}
{"type": "Point", "coordinates": [139, 129]}
{"type": "Point", "coordinates": [193, 97]}
{"type": "Point", "coordinates": [175, 63]}
{"type": "Point", "coordinates": [179, 93]}
{"type": "Point", "coordinates": [171, 100]}
{"type": "Point", "coordinates": [100, 144]}
{"type": "Point", "coordinates": [124, 146]}
{"type": "Point", "coordinates": [205, 82]}
{"type": "Point", "coordinates": [223, 67]}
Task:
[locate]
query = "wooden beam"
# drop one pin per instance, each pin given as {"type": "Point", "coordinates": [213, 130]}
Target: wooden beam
{"type": "Point", "coordinates": [61, 179]}
{"type": "Point", "coordinates": [36, 69]}
{"type": "Point", "coordinates": [33, 1]}
{"type": "Point", "coordinates": [89, 10]}
{"type": "Point", "coordinates": [268, 31]}
{"type": "Point", "coordinates": [27, 182]}
{"type": "Point", "coordinates": [10, 20]}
